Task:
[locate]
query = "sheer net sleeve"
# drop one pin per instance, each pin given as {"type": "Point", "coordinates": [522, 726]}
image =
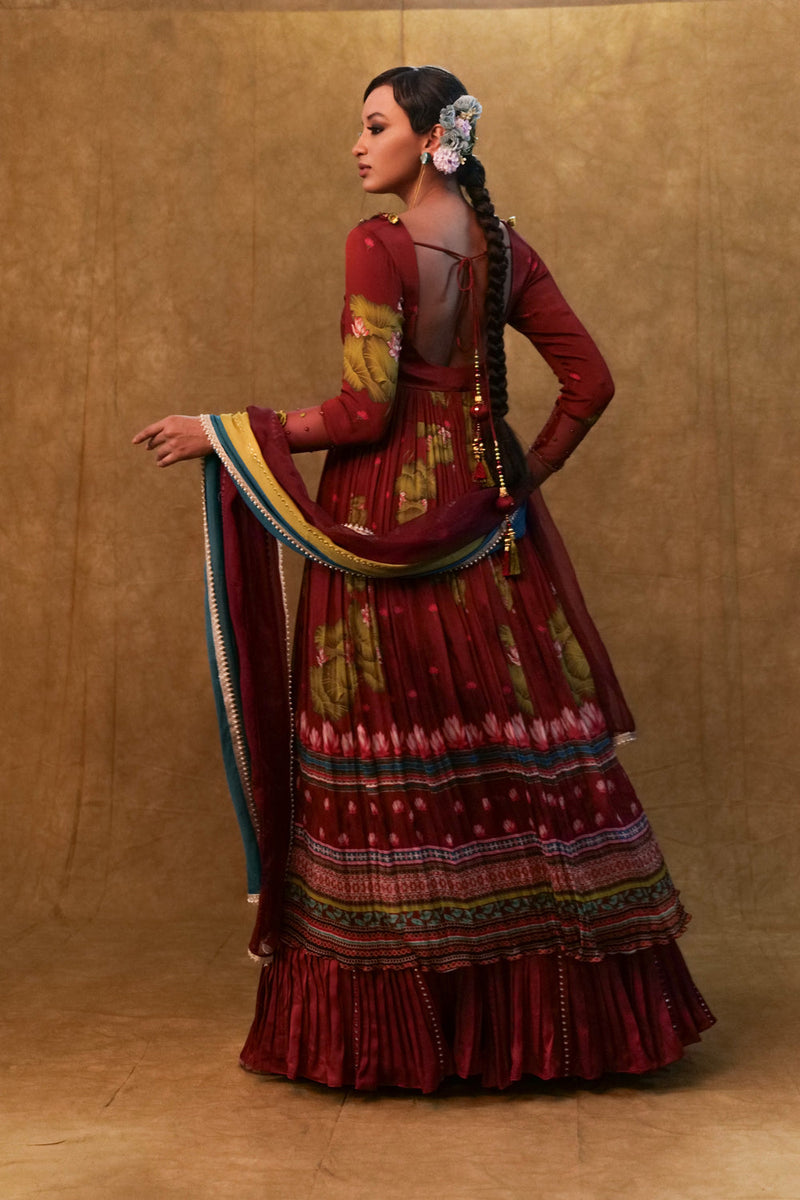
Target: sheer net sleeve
{"type": "Point", "coordinates": [372, 325]}
{"type": "Point", "coordinates": [540, 312]}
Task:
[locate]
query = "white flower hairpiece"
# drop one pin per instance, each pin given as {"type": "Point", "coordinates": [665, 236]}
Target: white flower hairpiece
{"type": "Point", "coordinates": [458, 140]}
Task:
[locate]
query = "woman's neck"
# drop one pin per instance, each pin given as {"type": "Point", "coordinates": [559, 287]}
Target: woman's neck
{"type": "Point", "coordinates": [431, 188]}
{"type": "Point", "coordinates": [445, 218]}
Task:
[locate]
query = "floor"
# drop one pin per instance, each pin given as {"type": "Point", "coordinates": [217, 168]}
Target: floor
{"type": "Point", "coordinates": [120, 1080]}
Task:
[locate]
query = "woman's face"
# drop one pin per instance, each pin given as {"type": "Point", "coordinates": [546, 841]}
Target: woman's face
{"type": "Point", "coordinates": [388, 151]}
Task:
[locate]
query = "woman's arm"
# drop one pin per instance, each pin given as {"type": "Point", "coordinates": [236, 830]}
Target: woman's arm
{"type": "Point", "coordinates": [541, 313]}
{"type": "Point", "coordinates": [372, 325]}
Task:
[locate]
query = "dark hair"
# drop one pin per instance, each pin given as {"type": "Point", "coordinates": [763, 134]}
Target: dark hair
{"type": "Point", "coordinates": [422, 93]}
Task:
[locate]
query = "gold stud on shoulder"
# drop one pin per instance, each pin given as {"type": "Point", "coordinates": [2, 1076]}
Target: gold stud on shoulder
{"type": "Point", "coordinates": [512, 222]}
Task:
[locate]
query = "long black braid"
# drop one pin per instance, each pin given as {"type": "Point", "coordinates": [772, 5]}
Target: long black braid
{"type": "Point", "coordinates": [472, 178]}
{"type": "Point", "coordinates": [422, 92]}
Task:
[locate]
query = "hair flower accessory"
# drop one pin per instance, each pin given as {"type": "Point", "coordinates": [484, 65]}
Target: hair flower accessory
{"type": "Point", "coordinates": [458, 140]}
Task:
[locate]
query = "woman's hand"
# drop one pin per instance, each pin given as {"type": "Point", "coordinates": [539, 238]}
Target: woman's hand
{"type": "Point", "coordinates": [174, 439]}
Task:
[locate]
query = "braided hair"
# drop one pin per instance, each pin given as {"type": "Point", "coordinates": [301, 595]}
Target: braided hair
{"type": "Point", "coordinates": [422, 93]}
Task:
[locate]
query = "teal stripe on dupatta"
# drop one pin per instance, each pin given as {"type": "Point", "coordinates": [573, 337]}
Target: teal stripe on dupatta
{"type": "Point", "coordinates": [275, 523]}
{"type": "Point", "coordinates": [224, 662]}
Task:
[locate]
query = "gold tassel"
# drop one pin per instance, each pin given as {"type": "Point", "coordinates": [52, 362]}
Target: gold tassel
{"type": "Point", "coordinates": [479, 412]}
{"type": "Point", "coordinates": [511, 563]}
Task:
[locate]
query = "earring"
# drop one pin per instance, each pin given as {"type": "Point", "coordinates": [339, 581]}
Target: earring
{"type": "Point", "coordinates": [424, 157]}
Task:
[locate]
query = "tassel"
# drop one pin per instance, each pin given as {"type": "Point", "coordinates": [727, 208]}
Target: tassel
{"type": "Point", "coordinates": [481, 473]}
{"type": "Point", "coordinates": [511, 563]}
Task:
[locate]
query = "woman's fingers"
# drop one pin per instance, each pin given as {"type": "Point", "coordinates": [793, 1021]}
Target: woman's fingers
{"type": "Point", "coordinates": [168, 453]}
{"type": "Point", "coordinates": [148, 433]}
{"type": "Point", "coordinates": [174, 439]}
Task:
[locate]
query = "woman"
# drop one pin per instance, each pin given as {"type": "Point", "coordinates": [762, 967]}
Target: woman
{"type": "Point", "coordinates": [456, 875]}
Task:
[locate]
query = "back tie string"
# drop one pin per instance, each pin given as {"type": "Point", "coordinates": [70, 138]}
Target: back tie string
{"type": "Point", "coordinates": [481, 410]}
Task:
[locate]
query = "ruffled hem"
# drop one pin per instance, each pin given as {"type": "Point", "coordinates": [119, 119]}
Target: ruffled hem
{"type": "Point", "coordinates": [544, 1015]}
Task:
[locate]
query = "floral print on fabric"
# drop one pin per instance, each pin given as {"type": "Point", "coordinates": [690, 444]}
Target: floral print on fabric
{"type": "Point", "coordinates": [372, 348]}
{"type": "Point", "coordinates": [347, 655]}
{"type": "Point", "coordinates": [416, 485]}
{"type": "Point", "coordinates": [515, 671]}
{"type": "Point", "coordinates": [357, 512]}
{"type": "Point", "coordinates": [473, 808]}
{"type": "Point", "coordinates": [573, 660]}
{"type": "Point", "coordinates": [438, 442]}
{"type": "Point", "coordinates": [458, 586]}
{"type": "Point", "coordinates": [503, 585]}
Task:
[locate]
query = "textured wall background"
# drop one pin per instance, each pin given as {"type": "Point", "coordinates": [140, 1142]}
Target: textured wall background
{"type": "Point", "coordinates": [176, 189]}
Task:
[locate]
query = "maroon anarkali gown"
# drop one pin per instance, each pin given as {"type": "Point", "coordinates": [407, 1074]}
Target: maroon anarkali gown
{"type": "Point", "coordinates": [472, 887]}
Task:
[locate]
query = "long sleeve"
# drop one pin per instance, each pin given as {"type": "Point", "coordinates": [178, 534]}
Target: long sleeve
{"type": "Point", "coordinates": [540, 312]}
{"type": "Point", "coordinates": [372, 324]}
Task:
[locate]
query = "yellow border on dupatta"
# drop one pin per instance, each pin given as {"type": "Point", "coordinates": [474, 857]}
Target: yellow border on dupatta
{"type": "Point", "coordinates": [238, 430]}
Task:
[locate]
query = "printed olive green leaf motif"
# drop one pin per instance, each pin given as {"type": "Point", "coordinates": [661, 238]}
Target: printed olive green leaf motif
{"type": "Point", "coordinates": [414, 487]}
{"type": "Point", "coordinates": [573, 661]}
{"type": "Point", "coordinates": [439, 398]}
{"type": "Point", "coordinates": [379, 319]}
{"type": "Point", "coordinates": [368, 364]}
{"type": "Point", "coordinates": [458, 586]}
{"type": "Point", "coordinates": [344, 654]}
{"type": "Point", "coordinates": [516, 674]}
{"type": "Point", "coordinates": [357, 512]}
{"type": "Point", "coordinates": [369, 367]}
{"type": "Point", "coordinates": [503, 586]}
{"type": "Point", "coordinates": [364, 632]}
{"type": "Point", "coordinates": [355, 583]}
{"type": "Point", "coordinates": [438, 444]}
{"type": "Point", "coordinates": [332, 678]}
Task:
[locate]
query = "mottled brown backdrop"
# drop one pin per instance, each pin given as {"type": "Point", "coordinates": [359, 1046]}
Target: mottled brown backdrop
{"type": "Point", "coordinates": [176, 189]}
